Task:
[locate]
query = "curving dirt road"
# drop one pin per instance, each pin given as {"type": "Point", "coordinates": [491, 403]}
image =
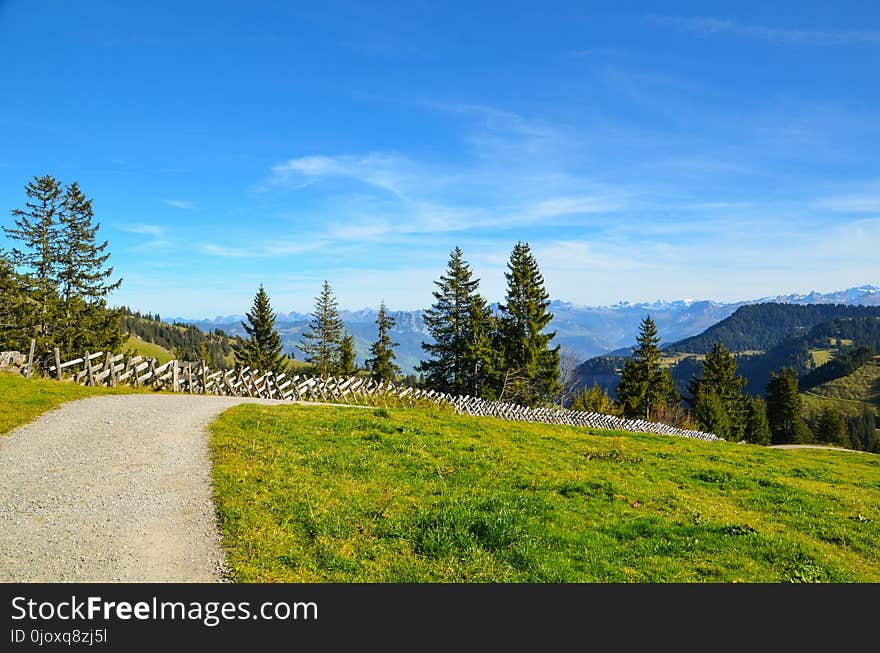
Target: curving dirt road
{"type": "Point", "coordinates": [112, 489]}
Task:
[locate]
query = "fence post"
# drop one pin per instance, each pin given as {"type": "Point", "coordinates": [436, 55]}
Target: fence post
{"type": "Point", "coordinates": [90, 375]}
{"type": "Point", "coordinates": [57, 363]}
{"type": "Point", "coordinates": [108, 367]}
{"type": "Point", "coordinates": [175, 377]}
{"type": "Point", "coordinates": [30, 364]}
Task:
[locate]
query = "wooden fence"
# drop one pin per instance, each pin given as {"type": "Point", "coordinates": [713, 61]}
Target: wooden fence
{"type": "Point", "coordinates": [108, 369]}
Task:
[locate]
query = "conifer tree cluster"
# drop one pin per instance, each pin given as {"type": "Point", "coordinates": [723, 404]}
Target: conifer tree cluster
{"type": "Point", "coordinates": [55, 281]}
{"type": "Point", "coordinates": [480, 353]}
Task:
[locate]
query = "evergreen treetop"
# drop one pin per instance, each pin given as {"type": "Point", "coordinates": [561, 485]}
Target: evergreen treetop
{"type": "Point", "coordinates": [784, 409]}
{"type": "Point", "coordinates": [524, 318]}
{"type": "Point", "coordinates": [450, 322]}
{"type": "Point", "coordinates": [261, 350]}
{"type": "Point", "coordinates": [322, 342]}
{"type": "Point", "coordinates": [719, 381]}
{"type": "Point", "coordinates": [381, 364]}
{"type": "Point", "coordinates": [81, 259]}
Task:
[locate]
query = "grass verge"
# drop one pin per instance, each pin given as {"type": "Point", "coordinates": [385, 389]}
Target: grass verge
{"type": "Point", "coordinates": [21, 399]}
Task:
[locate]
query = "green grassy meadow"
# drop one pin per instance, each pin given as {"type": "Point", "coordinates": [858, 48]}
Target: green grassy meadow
{"type": "Point", "coordinates": [326, 494]}
{"type": "Point", "coordinates": [147, 349]}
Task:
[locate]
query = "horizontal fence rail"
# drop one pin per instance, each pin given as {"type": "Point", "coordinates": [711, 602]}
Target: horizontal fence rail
{"type": "Point", "coordinates": [195, 377]}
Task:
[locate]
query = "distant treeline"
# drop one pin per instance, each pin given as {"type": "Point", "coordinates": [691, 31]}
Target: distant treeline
{"type": "Point", "coordinates": [763, 326]}
{"type": "Point", "coordinates": [794, 352]}
{"type": "Point", "coordinates": [185, 341]}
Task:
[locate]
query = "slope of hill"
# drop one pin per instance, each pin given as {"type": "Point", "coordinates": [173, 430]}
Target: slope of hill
{"type": "Point", "coordinates": [856, 397]}
{"type": "Point", "coordinates": [796, 351]}
{"type": "Point", "coordinates": [146, 349]}
{"type": "Point", "coordinates": [861, 326]}
{"type": "Point", "coordinates": [858, 389]}
{"type": "Point", "coordinates": [761, 326]}
{"type": "Point", "coordinates": [145, 330]}
{"type": "Point", "coordinates": [555, 504]}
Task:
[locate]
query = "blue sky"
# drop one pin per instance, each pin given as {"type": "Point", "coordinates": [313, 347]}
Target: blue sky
{"type": "Point", "coordinates": [645, 150]}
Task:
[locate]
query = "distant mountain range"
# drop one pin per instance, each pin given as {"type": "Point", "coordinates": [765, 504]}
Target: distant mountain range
{"type": "Point", "coordinates": [586, 331]}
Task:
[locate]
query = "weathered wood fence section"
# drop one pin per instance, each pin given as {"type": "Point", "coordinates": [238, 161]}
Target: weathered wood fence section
{"type": "Point", "coordinates": [108, 369]}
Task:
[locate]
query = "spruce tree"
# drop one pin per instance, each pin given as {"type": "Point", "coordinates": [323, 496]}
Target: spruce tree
{"type": "Point", "coordinates": [381, 365]}
{"type": "Point", "coordinates": [643, 385]}
{"type": "Point", "coordinates": [36, 229]}
{"type": "Point", "coordinates": [831, 427]}
{"type": "Point", "coordinates": [523, 322]}
{"type": "Point", "coordinates": [261, 350]}
{"type": "Point", "coordinates": [784, 409]}
{"type": "Point", "coordinates": [347, 356]}
{"type": "Point", "coordinates": [483, 358]}
{"type": "Point", "coordinates": [711, 413]}
{"type": "Point", "coordinates": [457, 323]}
{"type": "Point", "coordinates": [720, 382]}
{"type": "Point", "coordinates": [322, 342]}
{"type": "Point", "coordinates": [81, 259]}
{"type": "Point", "coordinates": [757, 429]}
{"type": "Point", "coordinates": [83, 278]}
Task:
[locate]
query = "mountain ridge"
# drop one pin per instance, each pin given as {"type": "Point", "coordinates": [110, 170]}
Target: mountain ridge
{"type": "Point", "coordinates": [586, 331]}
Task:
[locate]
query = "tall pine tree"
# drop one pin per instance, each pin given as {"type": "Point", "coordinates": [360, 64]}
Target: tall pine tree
{"type": "Point", "coordinates": [831, 427]}
{"type": "Point", "coordinates": [523, 322]}
{"type": "Point", "coordinates": [784, 409]}
{"type": "Point", "coordinates": [757, 430]}
{"type": "Point", "coordinates": [454, 321]}
{"type": "Point", "coordinates": [644, 385]}
{"type": "Point", "coordinates": [36, 230]}
{"type": "Point", "coordinates": [261, 350]}
{"type": "Point", "coordinates": [381, 364]}
{"type": "Point", "coordinates": [720, 381]}
{"type": "Point", "coordinates": [83, 278]}
{"type": "Point", "coordinates": [322, 342]}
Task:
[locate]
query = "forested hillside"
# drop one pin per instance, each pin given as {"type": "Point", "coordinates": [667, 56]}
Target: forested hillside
{"type": "Point", "coordinates": [840, 334]}
{"type": "Point", "coordinates": [762, 326]}
{"type": "Point", "coordinates": [185, 341]}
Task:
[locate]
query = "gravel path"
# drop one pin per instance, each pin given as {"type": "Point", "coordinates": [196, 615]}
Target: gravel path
{"type": "Point", "coordinates": [112, 489]}
{"type": "Point", "coordinates": [814, 446]}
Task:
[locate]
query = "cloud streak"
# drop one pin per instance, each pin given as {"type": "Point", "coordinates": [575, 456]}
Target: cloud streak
{"type": "Point", "coordinates": [181, 204]}
{"type": "Point", "coordinates": [144, 229]}
{"type": "Point", "coordinates": [716, 27]}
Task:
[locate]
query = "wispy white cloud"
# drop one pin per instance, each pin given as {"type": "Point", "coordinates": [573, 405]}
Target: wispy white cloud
{"type": "Point", "coordinates": [145, 229]}
{"type": "Point", "coordinates": [156, 236]}
{"type": "Point", "coordinates": [263, 250]}
{"type": "Point", "coordinates": [181, 204]}
{"type": "Point", "coordinates": [382, 170]}
{"type": "Point", "coordinates": [716, 26]}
